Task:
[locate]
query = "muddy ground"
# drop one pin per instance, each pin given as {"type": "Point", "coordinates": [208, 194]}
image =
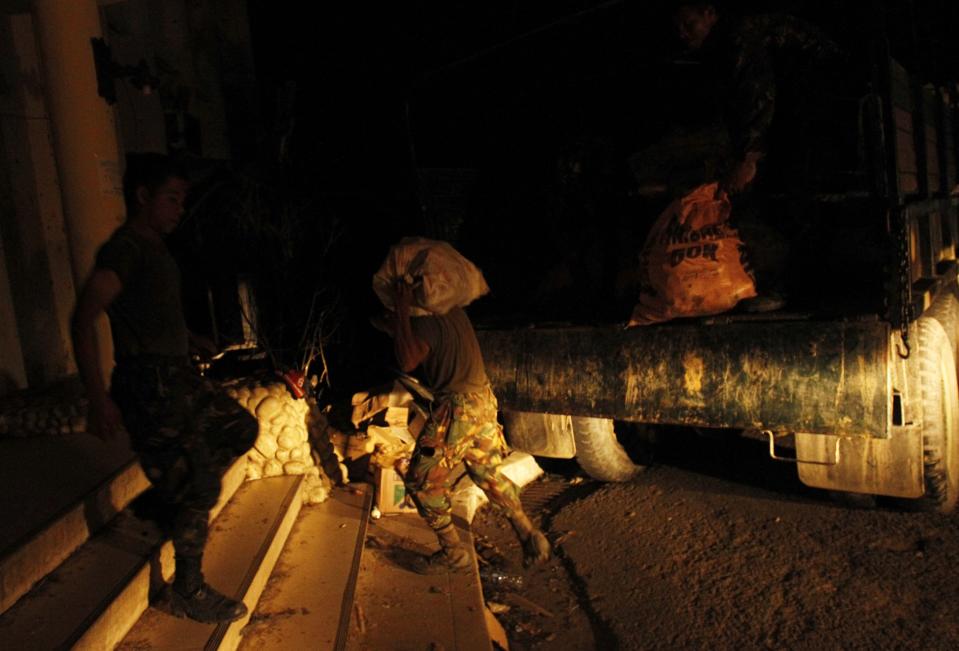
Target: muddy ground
{"type": "Point", "coordinates": [716, 546]}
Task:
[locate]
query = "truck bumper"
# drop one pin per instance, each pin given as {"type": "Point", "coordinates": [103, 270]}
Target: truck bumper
{"type": "Point", "coordinates": [816, 377]}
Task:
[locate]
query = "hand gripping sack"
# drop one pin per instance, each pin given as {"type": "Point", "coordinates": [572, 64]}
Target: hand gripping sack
{"type": "Point", "coordinates": [442, 277]}
{"type": "Point", "coordinates": [693, 262]}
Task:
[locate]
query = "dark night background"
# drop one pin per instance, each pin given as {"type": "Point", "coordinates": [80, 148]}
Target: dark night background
{"type": "Point", "coordinates": [371, 100]}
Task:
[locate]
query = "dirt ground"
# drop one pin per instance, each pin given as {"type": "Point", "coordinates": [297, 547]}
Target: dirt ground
{"type": "Point", "coordinates": [716, 546]}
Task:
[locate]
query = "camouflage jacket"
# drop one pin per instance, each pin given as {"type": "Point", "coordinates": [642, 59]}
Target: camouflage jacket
{"type": "Point", "coordinates": [755, 57]}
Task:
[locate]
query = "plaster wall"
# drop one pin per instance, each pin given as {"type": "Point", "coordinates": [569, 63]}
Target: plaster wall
{"type": "Point", "coordinates": [37, 259]}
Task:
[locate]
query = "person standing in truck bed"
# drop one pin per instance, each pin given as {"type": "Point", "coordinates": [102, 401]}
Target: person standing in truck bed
{"type": "Point", "coordinates": [776, 74]}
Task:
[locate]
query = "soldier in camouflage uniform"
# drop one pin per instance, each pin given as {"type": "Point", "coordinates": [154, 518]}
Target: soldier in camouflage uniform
{"type": "Point", "coordinates": [462, 428]}
{"type": "Point", "coordinates": [776, 74]}
{"type": "Point", "coordinates": [185, 430]}
{"type": "Point", "coordinates": [768, 67]}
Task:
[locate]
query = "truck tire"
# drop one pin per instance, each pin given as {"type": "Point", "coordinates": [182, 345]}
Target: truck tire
{"type": "Point", "coordinates": [940, 417]}
{"type": "Point", "coordinates": [599, 453]}
{"type": "Point", "coordinates": [945, 310]}
{"type": "Point", "coordinates": [544, 435]}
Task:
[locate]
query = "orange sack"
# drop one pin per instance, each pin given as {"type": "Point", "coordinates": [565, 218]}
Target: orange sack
{"type": "Point", "coordinates": [693, 262]}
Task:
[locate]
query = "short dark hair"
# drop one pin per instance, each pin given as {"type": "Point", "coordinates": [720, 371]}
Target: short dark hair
{"type": "Point", "coordinates": [149, 170]}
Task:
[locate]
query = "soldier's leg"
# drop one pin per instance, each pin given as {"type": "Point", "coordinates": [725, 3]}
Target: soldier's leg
{"type": "Point", "coordinates": [483, 461]}
{"type": "Point", "coordinates": [226, 429]}
{"type": "Point", "coordinates": [191, 595]}
{"type": "Point", "coordinates": [767, 248]}
{"type": "Point", "coordinates": [429, 482]}
{"type": "Point", "coordinates": [157, 402]}
{"type": "Point", "coordinates": [215, 430]}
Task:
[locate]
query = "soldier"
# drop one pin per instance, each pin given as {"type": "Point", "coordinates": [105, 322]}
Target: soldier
{"type": "Point", "coordinates": [462, 428]}
{"type": "Point", "coordinates": [760, 60]}
{"type": "Point", "coordinates": [185, 430]}
{"type": "Point", "coordinates": [775, 74]}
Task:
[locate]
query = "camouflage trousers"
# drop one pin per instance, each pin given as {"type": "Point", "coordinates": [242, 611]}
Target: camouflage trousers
{"type": "Point", "coordinates": [187, 432]}
{"type": "Point", "coordinates": [462, 429]}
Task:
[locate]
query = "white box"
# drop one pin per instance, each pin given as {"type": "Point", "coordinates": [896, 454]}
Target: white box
{"type": "Point", "coordinates": [521, 468]}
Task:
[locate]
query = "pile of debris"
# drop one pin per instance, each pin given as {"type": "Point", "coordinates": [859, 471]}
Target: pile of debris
{"type": "Point", "coordinates": [386, 422]}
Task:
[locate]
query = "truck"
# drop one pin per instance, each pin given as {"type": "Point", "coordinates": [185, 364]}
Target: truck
{"type": "Point", "coordinates": [855, 382]}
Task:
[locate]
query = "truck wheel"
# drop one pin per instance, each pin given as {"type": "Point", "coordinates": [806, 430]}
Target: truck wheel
{"type": "Point", "coordinates": [544, 435]}
{"type": "Point", "coordinates": [599, 453]}
{"type": "Point", "coordinates": [945, 310]}
{"type": "Point", "coordinates": [940, 417]}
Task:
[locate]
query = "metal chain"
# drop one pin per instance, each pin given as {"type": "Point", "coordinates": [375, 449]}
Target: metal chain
{"type": "Point", "coordinates": [906, 309]}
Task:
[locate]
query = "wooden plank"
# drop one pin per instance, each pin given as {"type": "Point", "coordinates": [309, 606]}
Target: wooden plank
{"type": "Point", "coordinates": [900, 85]}
{"type": "Point", "coordinates": [949, 234]}
{"type": "Point", "coordinates": [392, 600]}
{"type": "Point", "coordinates": [915, 250]}
{"type": "Point", "coordinates": [903, 120]}
{"type": "Point", "coordinates": [933, 171]}
{"type": "Point", "coordinates": [929, 116]}
{"type": "Point", "coordinates": [907, 166]}
{"type": "Point", "coordinates": [311, 589]}
{"type": "Point", "coordinates": [929, 243]}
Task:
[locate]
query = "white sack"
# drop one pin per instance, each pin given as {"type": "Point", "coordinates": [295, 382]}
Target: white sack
{"type": "Point", "coordinates": [442, 278]}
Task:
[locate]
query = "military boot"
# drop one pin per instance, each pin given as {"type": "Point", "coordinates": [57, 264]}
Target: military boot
{"type": "Point", "coordinates": [536, 549]}
{"type": "Point", "coordinates": [452, 557]}
{"type": "Point", "coordinates": [190, 596]}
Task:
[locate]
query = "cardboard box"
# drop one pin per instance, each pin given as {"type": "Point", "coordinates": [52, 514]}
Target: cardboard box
{"type": "Point", "coordinates": [391, 493]}
{"type": "Point", "coordinates": [397, 417]}
{"type": "Point", "coordinates": [392, 437]}
{"type": "Point", "coordinates": [467, 499]}
{"type": "Point", "coordinates": [521, 468]}
{"type": "Point", "coordinates": [366, 405]}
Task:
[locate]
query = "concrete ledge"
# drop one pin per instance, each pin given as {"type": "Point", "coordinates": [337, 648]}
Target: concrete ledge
{"type": "Point", "coordinates": [227, 636]}
{"type": "Point", "coordinates": [243, 547]}
{"type": "Point", "coordinates": [47, 548]}
{"type": "Point", "coordinates": [122, 611]}
{"type": "Point", "coordinates": [93, 598]}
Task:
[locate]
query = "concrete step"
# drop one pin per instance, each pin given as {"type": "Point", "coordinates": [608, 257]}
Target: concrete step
{"type": "Point", "coordinates": [343, 582]}
{"type": "Point", "coordinates": [396, 608]}
{"type": "Point", "coordinates": [93, 598]}
{"type": "Point", "coordinates": [245, 542]}
{"type": "Point", "coordinates": [308, 600]}
{"type": "Point", "coordinates": [58, 491]}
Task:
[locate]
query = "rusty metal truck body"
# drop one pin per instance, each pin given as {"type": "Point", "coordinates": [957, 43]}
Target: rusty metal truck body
{"type": "Point", "coordinates": [867, 399]}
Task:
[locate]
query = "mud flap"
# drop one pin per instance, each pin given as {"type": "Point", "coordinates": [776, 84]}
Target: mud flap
{"type": "Point", "coordinates": [891, 466]}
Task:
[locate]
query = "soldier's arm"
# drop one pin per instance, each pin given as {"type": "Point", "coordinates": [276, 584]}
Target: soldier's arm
{"type": "Point", "coordinates": [409, 349]}
{"type": "Point", "coordinates": [753, 102]}
{"type": "Point", "coordinates": [101, 289]}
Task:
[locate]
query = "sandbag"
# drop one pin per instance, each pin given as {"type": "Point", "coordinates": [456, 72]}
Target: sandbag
{"type": "Point", "coordinates": [693, 262]}
{"type": "Point", "coordinates": [441, 277]}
